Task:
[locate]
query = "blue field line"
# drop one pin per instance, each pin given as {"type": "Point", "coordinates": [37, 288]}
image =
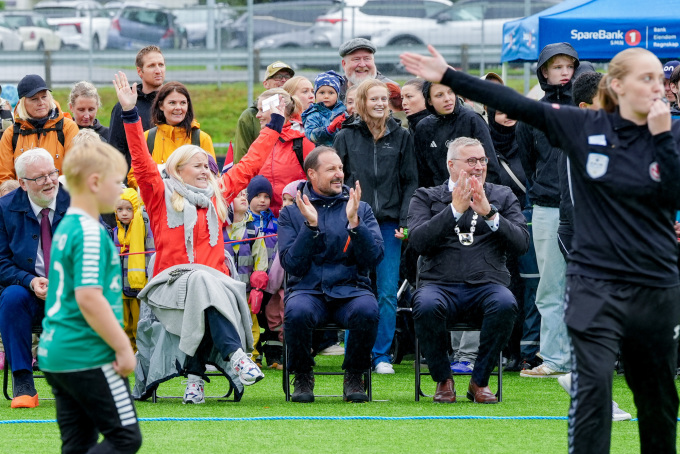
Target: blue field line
{"type": "Point", "coordinates": [322, 418]}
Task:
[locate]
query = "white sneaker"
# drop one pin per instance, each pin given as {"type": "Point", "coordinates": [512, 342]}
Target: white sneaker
{"type": "Point", "coordinates": [618, 414]}
{"type": "Point", "coordinates": [247, 370]}
{"type": "Point", "coordinates": [194, 392]}
{"type": "Point", "coordinates": [541, 371]}
{"type": "Point", "coordinates": [333, 350]}
{"type": "Point", "coordinates": [384, 368]}
{"type": "Point", "coordinates": [565, 382]}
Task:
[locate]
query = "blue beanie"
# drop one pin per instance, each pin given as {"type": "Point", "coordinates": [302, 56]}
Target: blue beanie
{"type": "Point", "coordinates": [258, 185]}
{"type": "Point", "coordinates": [329, 78]}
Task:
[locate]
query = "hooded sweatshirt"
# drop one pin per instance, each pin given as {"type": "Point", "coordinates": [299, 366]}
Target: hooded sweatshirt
{"type": "Point", "coordinates": [539, 158]}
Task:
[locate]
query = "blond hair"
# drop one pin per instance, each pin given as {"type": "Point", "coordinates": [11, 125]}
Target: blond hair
{"type": "Point", "coordinates": [85, 89]}
{"type": "Point", "coordinates": [377, 127]}
{"type": "Point", "coordinates": [8, 186]}
{"type": "Point", "coordinates": [619, 67]}
{"type": "Point", "coordinates": [86, 135]}
{"type": "Point", "coordinates": [292, 84]}
{"type": "Point", "coordinates": [179, 158]}
{"type": "Point", "coordinates": [22, 113]}
{"type": "Point", "coordinates": [85, 159]}
{"type": "Point", "coordinates": [293, 104]}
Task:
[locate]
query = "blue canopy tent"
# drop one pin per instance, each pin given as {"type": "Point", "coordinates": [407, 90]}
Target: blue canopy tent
{"type": "Point", "coordinates": [520, 37]}
{"type": "Point", "coordinates": [599, 29]}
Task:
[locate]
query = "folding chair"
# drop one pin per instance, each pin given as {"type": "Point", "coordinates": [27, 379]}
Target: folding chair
{"type": "Point", "coordinates": [37, 329]}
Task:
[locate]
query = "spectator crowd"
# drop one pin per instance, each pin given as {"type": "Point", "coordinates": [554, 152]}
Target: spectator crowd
{"type": "Point", "coordinates": [341, 188]}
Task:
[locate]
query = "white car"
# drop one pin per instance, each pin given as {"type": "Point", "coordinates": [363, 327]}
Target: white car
{"type": "Point", "coordinates": [416, 22]}
{"type": "Point", "coordinates": [72, 19]}
{"type": "Point", "coordinates": [35, 32]}
{"type": "Point", "coordinates": [9, 38]}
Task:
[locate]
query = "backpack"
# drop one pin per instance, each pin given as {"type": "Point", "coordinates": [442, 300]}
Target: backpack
{"type": "Point", "coordinates": [151, 138]}
{"type": "Point", "coordinates": [58, 126]}
{"type": "Point", "coordinates": [298, 149]}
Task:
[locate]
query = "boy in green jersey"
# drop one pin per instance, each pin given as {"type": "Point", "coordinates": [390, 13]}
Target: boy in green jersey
{"type": "Point", "coordinates": [84, 352]}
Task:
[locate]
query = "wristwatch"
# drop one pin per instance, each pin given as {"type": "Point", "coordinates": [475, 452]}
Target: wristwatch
{"type": "Point", "coordinates": [492, 213]}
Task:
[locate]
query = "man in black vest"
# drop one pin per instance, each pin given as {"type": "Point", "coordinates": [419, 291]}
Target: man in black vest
{"type": "Point", "coordinates": [463, 230]}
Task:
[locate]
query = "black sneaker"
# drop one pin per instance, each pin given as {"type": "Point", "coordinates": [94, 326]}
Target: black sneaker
{"type": "Point", "coordinates": [353, 388]}
{"type": "Point", "coordinates": [304, 388]}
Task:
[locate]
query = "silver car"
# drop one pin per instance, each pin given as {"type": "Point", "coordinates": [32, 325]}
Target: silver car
{"type": "Point", "coordinates": [9, 38]}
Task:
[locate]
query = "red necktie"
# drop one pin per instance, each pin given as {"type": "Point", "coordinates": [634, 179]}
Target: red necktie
{"type": "Point", "coordinates": [46, 237]}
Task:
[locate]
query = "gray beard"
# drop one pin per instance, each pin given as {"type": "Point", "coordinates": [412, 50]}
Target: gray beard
{"type": "Point", "coordinates": [354, 81]}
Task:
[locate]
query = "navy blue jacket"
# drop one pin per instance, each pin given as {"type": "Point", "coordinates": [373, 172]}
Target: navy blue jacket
{"type": "Point", "coordinates": [20, 236]}
{"type": "Point", "coordinates": [325, 262]}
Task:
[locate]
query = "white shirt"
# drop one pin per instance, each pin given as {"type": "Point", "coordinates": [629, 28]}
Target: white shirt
{"type": "Point", "coordinates": [492, 223]}
{"type": "Point", "coordinates": [40, 259]}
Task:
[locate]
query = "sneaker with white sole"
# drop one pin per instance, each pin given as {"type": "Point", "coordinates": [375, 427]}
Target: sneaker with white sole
{"type": "Point", "coordinates": [247, 370]}
{"type": "Point", "coordinates": [194, 394]}
{"type": "Point", "coordinates": [565, 382]}
{"type": "Point", "coordinates": [333, 350]}
{"type": "Point", "coordinates": [384, 368]}
{"type": "Point", "coordinates": [618, 414]}
{"type": "Point", "coordinates": [541, 371]}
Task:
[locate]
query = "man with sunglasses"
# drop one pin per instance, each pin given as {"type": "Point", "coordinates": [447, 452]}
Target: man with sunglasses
{"type": "Point", "coordinates": [464, 230]}
{"type": "Point", "coordinates": [28, 218]}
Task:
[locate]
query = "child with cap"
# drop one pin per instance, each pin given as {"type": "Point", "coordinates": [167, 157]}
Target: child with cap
{"type": "Point", "coordinates": [132, 235]}
{"type": "Point", "coordinates": [324, 118]}
{"type": "Point", "coordinates": [250, 257]}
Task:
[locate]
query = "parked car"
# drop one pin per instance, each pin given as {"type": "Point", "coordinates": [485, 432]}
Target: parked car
{"type": "Point", "coordinates": [135, 27]}
{"type": "Point", "coordinates": [113, 7]}
{"type": "Point", "coordinates": [278, 17]}
{"type": "Point", "coordinates": [72, 19]}
{"type": "Point", "coordinates": [195, 22]}
{"type": "Point", "coordinates": [10, 39]}
{"type": "Point", "coordinates": [414, 22]}
{"type": "Point", "coordinates": [35, 32]}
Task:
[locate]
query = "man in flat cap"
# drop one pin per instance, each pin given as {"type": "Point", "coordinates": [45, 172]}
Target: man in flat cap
{"type": "Point", "coordinates": [248, 127]}
{"type": "Point", "coordinates": [358, 63]}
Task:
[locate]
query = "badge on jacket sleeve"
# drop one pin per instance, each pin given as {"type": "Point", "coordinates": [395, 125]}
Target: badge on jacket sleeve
{"type": "Point", "coordinates": [597, 163]}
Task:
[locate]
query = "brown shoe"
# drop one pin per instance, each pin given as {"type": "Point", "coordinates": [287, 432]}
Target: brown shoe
{"type": "Point", "coordinates": [481, 395]}
{"type": "Point", "coordinates": [446, 392]}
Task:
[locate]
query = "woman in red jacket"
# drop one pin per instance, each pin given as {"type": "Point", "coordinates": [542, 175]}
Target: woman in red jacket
{"type": "Point", "coordinates": [284, 165]}
{"type": "Point", "coordinates": [187, 212]}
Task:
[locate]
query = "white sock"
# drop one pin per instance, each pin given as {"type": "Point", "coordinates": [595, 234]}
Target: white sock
{"type": "Point", "coordinates": [237, 355]}
{"type": "Point", "coordinates": [193, 378]}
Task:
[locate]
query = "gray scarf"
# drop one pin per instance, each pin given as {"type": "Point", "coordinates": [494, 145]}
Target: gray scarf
{"type": "Point", "coordinates": [193, 197]}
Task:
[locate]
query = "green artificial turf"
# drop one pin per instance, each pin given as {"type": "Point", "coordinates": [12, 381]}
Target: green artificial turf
{"type": "Point", "coordinates": [394, 397]}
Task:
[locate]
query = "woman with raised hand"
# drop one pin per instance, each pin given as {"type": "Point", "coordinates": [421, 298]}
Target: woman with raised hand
{"type": "Point", "coordinates": [187, 210]}
{"type": "Point", "coordinates": [622, 277]}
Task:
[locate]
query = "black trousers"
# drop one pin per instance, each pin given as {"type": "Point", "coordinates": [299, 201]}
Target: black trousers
{"type": "Point", "coordinates": [91, 402]}
{"type": "Point", "coordinates": [437, 306]}
{"type": "Point", "coordinates": [219, 332]}
{"type": "Point", "coordinates": [601, 316]}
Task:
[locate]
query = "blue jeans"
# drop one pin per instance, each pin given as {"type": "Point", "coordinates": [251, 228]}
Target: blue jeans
{"type": "Point", "coordinates": [387, 281]}
{"type": "Point", "coordinates": [19, 311]}
{"type": "Point", "coordinates": [555, 348]}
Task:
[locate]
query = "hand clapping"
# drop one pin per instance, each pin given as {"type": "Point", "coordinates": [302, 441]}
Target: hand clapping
{"type": "Point", "coordinates": [353, 206]}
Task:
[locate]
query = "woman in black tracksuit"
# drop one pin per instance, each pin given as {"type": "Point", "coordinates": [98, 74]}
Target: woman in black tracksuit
{"type": "Point", "coordinates": [376, 151]}
{"type": "Point", "coordinates": [622, 279]}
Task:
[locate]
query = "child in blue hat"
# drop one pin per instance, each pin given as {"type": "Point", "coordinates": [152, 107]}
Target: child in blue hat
{"type": "Point", "coordinates": [323, 119]}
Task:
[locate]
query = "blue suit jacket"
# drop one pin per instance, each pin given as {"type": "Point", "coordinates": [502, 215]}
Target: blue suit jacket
{"type": "Point", "coordinates": [20, 236]}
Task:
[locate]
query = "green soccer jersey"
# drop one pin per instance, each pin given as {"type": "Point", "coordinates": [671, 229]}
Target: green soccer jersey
{"type": "Point", "coordinates": [82, 255]}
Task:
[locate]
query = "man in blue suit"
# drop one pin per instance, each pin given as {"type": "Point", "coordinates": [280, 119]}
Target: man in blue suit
{"type": "Point", "coordinates": [28, 218]}
{"type": "Point", "coordinates": [328, 242]}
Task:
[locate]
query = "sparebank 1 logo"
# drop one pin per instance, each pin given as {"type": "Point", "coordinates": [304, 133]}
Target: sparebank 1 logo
{"type": "Point", "coordinates": [633, 37]}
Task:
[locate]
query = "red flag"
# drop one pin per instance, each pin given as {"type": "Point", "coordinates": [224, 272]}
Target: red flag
{"type": "Point", "coordinates": [229, 160]}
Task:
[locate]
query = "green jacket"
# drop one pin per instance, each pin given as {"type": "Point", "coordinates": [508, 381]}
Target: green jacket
{"type": "Point", "coordinates": [247, 130]}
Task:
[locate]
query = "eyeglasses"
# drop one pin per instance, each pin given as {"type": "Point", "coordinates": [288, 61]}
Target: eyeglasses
{"type": "Point", "coordinates": [280, 77]}
{"type": "Point", "coordinates": [42, 180]}
{"type": "Point", "coordinates": [473, 161]}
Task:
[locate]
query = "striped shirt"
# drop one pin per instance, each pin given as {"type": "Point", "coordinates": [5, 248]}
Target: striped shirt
{"type": "Point", "coordinates": [82, 256]}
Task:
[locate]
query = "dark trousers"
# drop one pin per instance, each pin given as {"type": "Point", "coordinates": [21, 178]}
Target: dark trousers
{"type": "Point", "coordinates": [19, 311]}
{"type": "Point", "coordinates": [91, 402]}
{"type": "Point", "coordinates": [304, 312]}
{"type": "Point", "coordinates": [220, 333]}
{"type": "Point", "coordinates": [436, 306]}
{"type": "Point", "coordinates": [640, 320]}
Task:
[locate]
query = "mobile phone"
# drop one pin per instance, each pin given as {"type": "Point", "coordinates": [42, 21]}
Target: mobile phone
{"type": "Point", "coordinates": [269, 102]}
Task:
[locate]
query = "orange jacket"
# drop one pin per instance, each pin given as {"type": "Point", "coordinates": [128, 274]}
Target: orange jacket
{"type": "Point", "coordinates": [48, 141]}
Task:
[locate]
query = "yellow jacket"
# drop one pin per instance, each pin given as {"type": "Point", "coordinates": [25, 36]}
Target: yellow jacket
{"type": "Point", "coordinates": [168, 139]}
{"type": "Point", "coordinates": [49, 141]}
